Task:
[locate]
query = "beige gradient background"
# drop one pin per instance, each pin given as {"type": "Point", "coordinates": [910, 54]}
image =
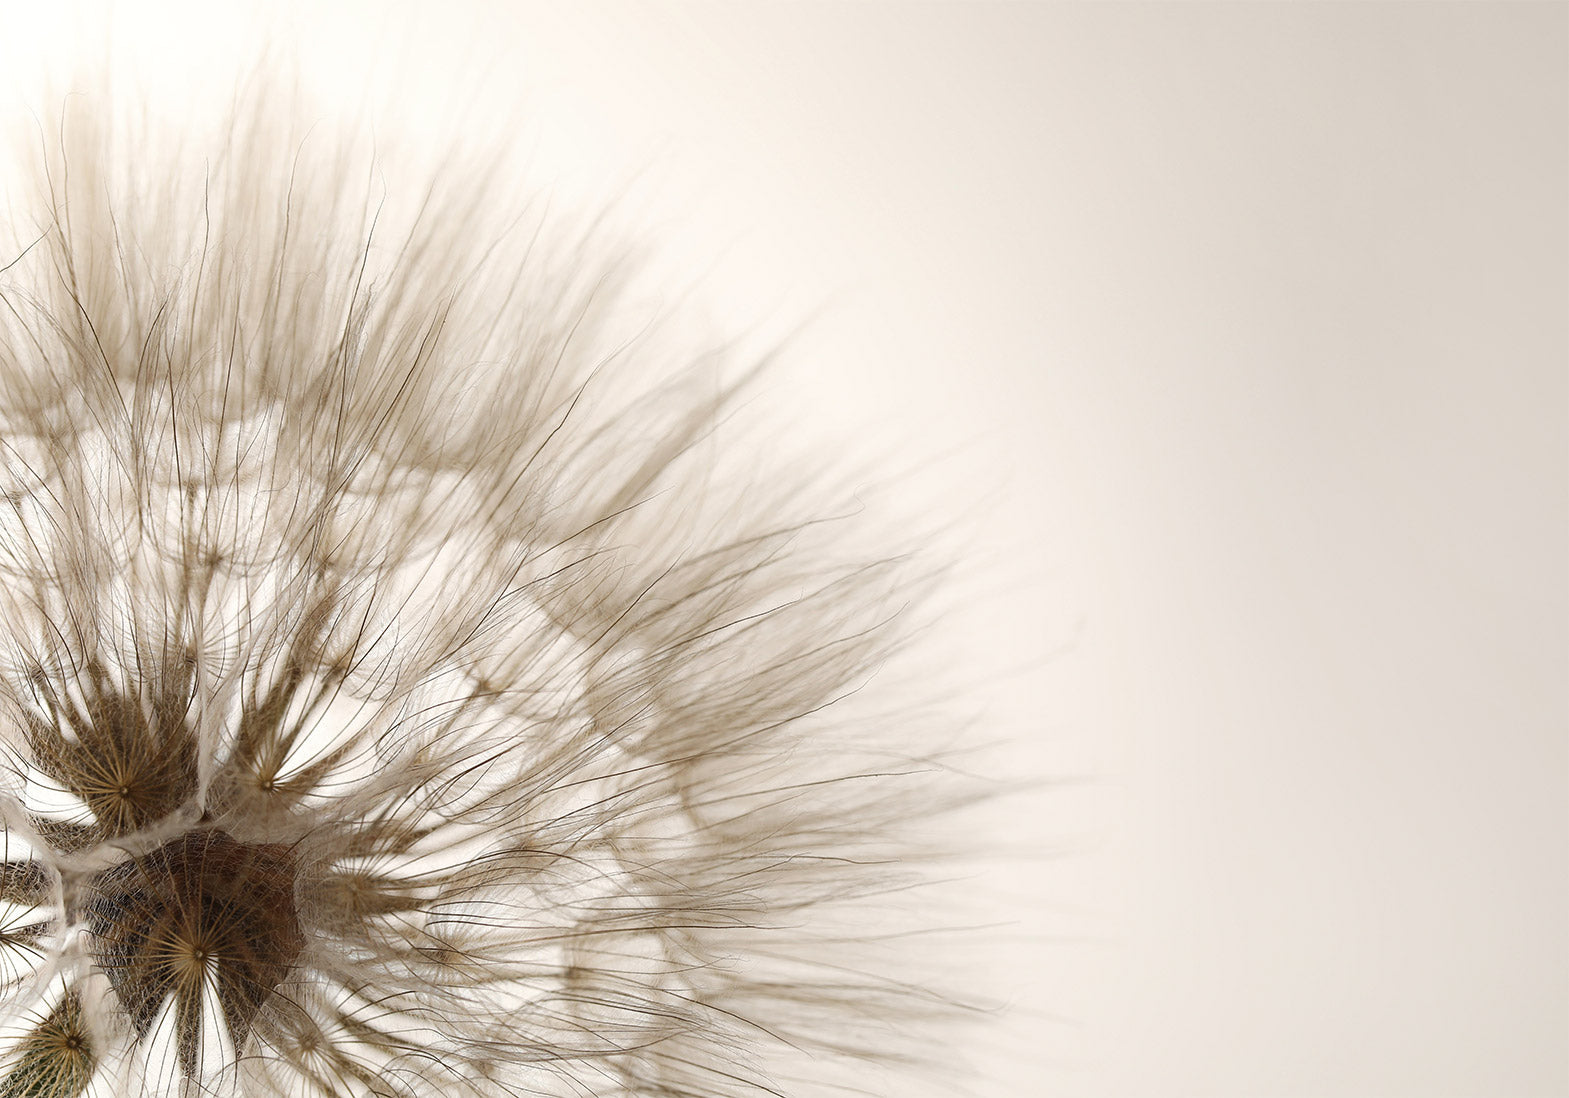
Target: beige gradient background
{"type": "Point", "coordinates": [1239, 334]}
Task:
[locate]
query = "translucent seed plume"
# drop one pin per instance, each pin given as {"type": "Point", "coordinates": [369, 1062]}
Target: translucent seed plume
{"type": "Point", "coordinates": [402, 692]}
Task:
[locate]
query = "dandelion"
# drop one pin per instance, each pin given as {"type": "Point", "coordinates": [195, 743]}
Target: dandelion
{"type": "Point", "coordinates": [394, 700]}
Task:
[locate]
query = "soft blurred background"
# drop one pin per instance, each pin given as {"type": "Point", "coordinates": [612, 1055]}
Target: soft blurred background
{"type": "Point", "coordinates": [1236, 339]}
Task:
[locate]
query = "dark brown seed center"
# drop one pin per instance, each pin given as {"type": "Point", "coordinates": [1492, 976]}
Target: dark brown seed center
{"type": "Point", "coordinates": [202, 915]}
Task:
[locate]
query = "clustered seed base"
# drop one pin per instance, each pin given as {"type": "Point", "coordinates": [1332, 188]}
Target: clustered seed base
{"type": "Point", "coordinates": [200, 910]}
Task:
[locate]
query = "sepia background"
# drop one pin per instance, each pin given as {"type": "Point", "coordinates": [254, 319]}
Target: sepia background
{"type": "Point", "coordinates": [1235, 340]}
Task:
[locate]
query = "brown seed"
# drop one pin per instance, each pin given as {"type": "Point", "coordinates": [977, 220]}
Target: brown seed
{"type": "Point", "coordinates": [203, 904]}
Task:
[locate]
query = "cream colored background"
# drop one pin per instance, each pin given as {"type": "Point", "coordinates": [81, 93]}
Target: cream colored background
{"type": "Point", "coordinates": [1241, 334]}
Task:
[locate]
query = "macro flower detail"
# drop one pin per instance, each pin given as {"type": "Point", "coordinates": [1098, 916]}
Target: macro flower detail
{"type": "Point", "coordinates": [401, 690]}
{"type": "Point", "coordinates": [200, 922]}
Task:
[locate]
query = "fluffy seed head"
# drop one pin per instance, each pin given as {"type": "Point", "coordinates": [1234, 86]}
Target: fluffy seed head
{"type": "Point", "coordinates": [400, 691]}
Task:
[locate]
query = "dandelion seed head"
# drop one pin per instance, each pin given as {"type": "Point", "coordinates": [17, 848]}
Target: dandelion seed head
{"type": "Point", "coordinates": [395, 697]}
